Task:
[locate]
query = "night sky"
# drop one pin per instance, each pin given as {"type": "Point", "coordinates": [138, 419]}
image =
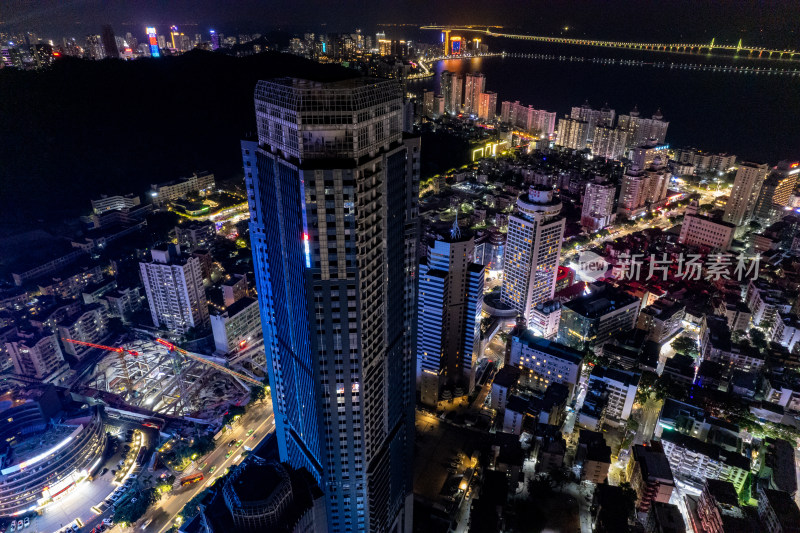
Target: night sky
{"type": "Point", "coordinates": [771, 23]}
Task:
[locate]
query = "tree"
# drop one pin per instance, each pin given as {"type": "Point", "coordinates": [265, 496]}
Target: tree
{"type": "Point", "coordinates": [559, 476]}
{"type": "Point", "coordinates": [754, 225]}
{"type": "Point", "coordinates": [539, 487]}
{"type": "Point", "coordinates": [685, 345]}
{"type": "Point", "coordinates": [233, 412]}
{"type": "Point", "coordinates": [758, 338]}
{"type": "Point", "coordinates": [192, 507]}
{"type": "Point", "coordinates": [629, 496]}
{"type": "Point", "coordinates": [646, 385]}
{"type": "Point", "coordinates": [130, 511]}
{"type": "Point", "coordinates": [257, 393]}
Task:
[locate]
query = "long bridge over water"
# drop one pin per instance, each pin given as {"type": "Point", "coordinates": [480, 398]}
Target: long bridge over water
{"type": "Point", "coordinates": [754, 52]}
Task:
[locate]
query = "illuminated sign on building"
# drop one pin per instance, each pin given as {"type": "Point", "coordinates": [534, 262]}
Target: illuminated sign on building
{"type": "Point", "coordinates": [153, 38]}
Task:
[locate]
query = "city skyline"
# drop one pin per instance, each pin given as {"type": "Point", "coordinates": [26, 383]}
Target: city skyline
{"type": "Point", "coordinates": [399, 278]}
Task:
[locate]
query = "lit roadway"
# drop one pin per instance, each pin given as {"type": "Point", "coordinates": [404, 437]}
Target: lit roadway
{"type": "Point", "coordinates": [163, 513]}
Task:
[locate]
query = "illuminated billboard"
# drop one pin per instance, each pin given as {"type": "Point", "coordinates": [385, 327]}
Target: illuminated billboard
{"type": "Point", "coordinates": [153, 38]}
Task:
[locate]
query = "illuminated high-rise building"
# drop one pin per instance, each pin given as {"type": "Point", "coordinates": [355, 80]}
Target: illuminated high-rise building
{"type": "Point", "coordinates": [175, 37]}
{"type": "Point", "coordinates": [573, 133]}
{"type": "Point", "coordinates": [608, 143]}
{"type": "Point", "coordinates": [214, 40]}
{"type": "Point", "coordinates": [533, 251]}
{"type": "Point", "coordinates": [452, 88]}
{"type": "Point", "coordinates": [427, 103]}
{"type": "Point", "coordinates": [152, 39]}
{"type": "Point", "coordinates": [456, 45]}
{"type": "Point", "coordinates": [487, 107]}
{"type": "Point", "coordinates": [449, 315]}
{"type": "Point", "coordinates": [643, 130]}
{"type": "Point", "coordinates": [598, 204]}
{"type": "Point", "coordinates": [173, 283]}
{"type": "Point", "coordinates": [475, 86]}
{"type": "Point", "coordinates": [446, 88]}
{"type": "Point", "coordinates": [593, 117]}
{"type": "Point", "coordinates": [334, 231]}
{"type": "Point", "coordinates": [775, 193]}
{"type": "Point", "coordinates": [744, 193]}
{"type": "Point", "coordinates": [529, 119]}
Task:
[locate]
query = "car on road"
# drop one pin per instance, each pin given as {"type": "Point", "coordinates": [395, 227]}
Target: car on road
{"type": "Point", "coordinates": [231, 443]}
{"type": "Point", "coordinates": [74, 527]}
{"type": "Point", "coordinates": [211, 470]}
{"type": "Point", "coordinates": [228, 454]}
{"type": "Point", "coordinates": [250, 432]}
{"type": "Point", "coordinates": [108, 521]}
{"type": "Point", "coordinates": [27, 521]}
{"type": "Point", "coordinates": [20, 525]}
{"type": "Point", "coordinates": [239, 442]}
{"type": "Point", "coordinates": [13, 527]}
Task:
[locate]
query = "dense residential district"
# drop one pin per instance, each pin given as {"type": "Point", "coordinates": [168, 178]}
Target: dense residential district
{"type": "Point", "coordinates": [578, 327]}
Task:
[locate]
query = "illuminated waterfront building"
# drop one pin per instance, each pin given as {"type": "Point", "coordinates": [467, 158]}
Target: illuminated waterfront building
{"type": "Point", "coordinates": [533, 251]}
{"type": "Point", "coordinates": [333, 207]}
{"type": "Point", "coordinates": [456, 45]}
{"type": "Point", "coordinates": [593, 117]}
{"type": "Point", "coordinates": [475, 85]}
{"type": "Point", "coordinates": [535, 121]}
{"type": "Point", "coordinates": [643, 130]}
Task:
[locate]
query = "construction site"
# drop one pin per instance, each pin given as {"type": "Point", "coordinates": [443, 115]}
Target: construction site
{"type": "Point", "coordinates": [156, 375]}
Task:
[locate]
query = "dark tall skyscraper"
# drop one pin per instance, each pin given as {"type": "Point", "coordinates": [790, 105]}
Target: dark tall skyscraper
{"type": "Point", "coordinates": [334, 233]}
{"type": "Point", "coordinates": [110, 42]}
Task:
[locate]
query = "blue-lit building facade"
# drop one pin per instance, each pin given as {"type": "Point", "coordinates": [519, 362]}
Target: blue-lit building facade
{"type": "Point", "coordinates": [332, 188]}
{"type": "Point", "coordinates": [448, 316]}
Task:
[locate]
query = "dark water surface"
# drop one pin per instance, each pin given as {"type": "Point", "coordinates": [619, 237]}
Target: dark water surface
{"type": "Point", "coordinates": [752, 116]}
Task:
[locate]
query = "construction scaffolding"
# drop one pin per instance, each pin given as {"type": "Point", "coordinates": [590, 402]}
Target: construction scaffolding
{"type": "Point", "coordinates": [168, 380]}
